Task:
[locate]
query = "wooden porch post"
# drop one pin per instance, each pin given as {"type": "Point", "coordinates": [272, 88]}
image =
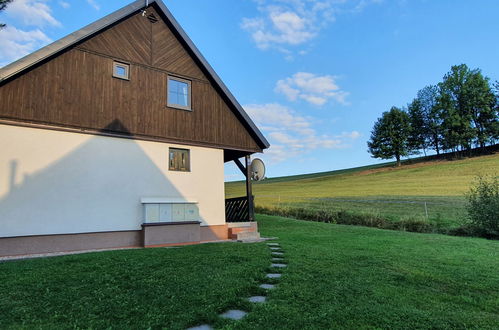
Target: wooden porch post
{"type": "Point", "coordinates": [249, 193]}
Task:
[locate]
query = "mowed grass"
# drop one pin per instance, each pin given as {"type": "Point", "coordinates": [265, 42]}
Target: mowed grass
{"type": "Point", "coordinates": [337, 277]}
{"type": "Point", "coordinates": [383, 190]}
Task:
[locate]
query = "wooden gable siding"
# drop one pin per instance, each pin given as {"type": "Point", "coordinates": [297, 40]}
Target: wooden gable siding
{"type": "Point", "coordinates": [76, 89]}
{"type": "Point", "coordinates": [138, 40]}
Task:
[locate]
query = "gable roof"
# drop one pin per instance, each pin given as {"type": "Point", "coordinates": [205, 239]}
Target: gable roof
{"type": "Point", "coordinates": [18, 67]}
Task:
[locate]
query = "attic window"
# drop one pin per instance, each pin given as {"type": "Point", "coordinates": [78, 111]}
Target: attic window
{"type": "Point", "coordinates": [179, 93]}
{"type": "Point", "coordinates": [121, 70]}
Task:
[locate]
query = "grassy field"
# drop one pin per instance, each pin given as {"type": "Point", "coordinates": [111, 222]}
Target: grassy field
{"type": "Point", "coordinates": [337, 277]}
{"type": "Point", "coordinates": [394, 193]}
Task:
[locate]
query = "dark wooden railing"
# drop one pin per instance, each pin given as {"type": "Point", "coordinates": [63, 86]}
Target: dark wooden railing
{"type": "Point", "coordinates": [236, 209]}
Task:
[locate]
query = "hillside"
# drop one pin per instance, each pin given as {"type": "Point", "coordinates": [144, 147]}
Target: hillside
{"type": "Point", "coordinates": [382, 189]}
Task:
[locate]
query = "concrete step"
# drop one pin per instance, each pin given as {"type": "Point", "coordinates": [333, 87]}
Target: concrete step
{"type": "Point", "coordinates": [248, 236]}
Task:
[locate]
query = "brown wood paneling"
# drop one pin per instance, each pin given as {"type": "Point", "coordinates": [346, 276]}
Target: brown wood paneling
{"type": "Point", "coordinates": [169, 54]}
{"type": "Point", "coordinates": [77, 89]}
{"type": "Point", "coordinates": [128, 40]}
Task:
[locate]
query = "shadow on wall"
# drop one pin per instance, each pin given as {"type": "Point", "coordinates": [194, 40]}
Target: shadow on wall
{"type": "Point", "coordinates": [95, 188]}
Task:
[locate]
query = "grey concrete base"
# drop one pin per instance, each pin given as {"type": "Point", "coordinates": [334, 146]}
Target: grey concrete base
{"type": "Point", "coordinates": [273, 275]}
{"type": "Point", "coordinates": [234, 314]}
{"type": "Point", "coordinates": [267, 286]}
{"type": "Point", "coordinates": [171, 233]}
{"type": "Point", "coordinates": [279, 265]}
{"type": "Point", "coordinates": [202, 327]}
{"type": "Point", "coordinates": [257, 299]}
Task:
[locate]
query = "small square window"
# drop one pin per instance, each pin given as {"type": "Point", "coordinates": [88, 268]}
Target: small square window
{"type": "Point", "coordinates": [179, 93]}
{"type": "Point", "coordinates": [179, 160]}
{"type": "Point", "coordinates": [121, 70]}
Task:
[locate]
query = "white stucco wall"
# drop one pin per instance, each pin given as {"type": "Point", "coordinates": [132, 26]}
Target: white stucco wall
{"type": "Point", "coordinates": [57, 182]}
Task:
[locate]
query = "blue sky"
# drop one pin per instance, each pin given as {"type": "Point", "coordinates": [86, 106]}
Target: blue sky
{"type": "Point", "coordinates": [313, 74]}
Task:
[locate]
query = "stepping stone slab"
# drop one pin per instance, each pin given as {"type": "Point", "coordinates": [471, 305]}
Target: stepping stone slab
{"type": "Point", "coordinates": [267, 286]}
{"type": "Point", "coordinates": [202, 327]}
{"type": "Point", "coordinates": [273, 244]}
{"type": "Point", "coordinates": [234, 314]}
{"type": "Point", "coordinates": [278, 265]}
{"type": "Point", "coordinates": [257, 299]}
{"type": "Point", "coordinates": [273, 275]}
{"type": "Point", "coordinates": [275, 248]}
{"type": "Point", "coordinates": [277, 259]}
{"type": "Point", "coordinates": [277, 253]}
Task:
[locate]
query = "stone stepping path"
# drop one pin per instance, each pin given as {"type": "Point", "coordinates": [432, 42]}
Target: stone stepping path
{"type": "Point", "coordinates": [237, 314]}
{"type": "Point", "coordinates": [233, 314]}
{"type": "Point", "coordinates": [257, 299]}
{"type": "Point", "coordinates": [267, 286]}
{"type": "Point", "coordinates": [279, 265]}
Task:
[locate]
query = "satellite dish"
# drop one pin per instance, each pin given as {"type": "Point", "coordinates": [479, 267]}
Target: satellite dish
{"type": "Point", "coordinates": [257, 170]}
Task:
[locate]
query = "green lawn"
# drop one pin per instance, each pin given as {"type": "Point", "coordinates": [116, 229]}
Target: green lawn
{"type": "Point", "coordinates": [380, 189]}
{"type": "Point", "coordinates": [337, 277]}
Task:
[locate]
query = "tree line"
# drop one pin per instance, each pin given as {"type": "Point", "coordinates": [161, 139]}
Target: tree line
{"type": "Point", "coordinates": [459, 113]}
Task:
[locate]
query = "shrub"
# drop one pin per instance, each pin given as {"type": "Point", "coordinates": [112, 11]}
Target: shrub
{"type": "Point", "coordinates": [483, 206]}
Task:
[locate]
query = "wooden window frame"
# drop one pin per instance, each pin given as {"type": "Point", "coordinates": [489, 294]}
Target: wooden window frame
{"type": "Point", "coordinates": [189, 93]}
{"type": "Point", "coordinates": [173, 168]}
{"type": "Point", "coordinates": [127, 70]}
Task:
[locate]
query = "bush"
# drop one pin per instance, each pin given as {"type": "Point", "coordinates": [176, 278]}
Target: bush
{"type": "Point", "coordinates": [483, 207]}
{"type": "Point", "coordinates": [348, 218]}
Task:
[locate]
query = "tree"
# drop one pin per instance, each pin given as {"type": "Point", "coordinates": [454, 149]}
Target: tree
{"type": "Point", "coordinates": [481, 102]}
{"type": "Point", "coordinates": [3, 5]}
{"type": "Point", "coordinates": [468, 109]}
{"type": "Point", "coordinates": [390, 136]}
{"type": "Point", "coordinates": [428, 101]}
{"type": "Point", "coordinates": [417, 138]}
{"type": "Point", "coordinates": [456, 114]}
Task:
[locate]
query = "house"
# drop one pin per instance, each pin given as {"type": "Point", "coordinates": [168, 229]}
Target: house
{"type": "Point", "coordinates": [116, 136]}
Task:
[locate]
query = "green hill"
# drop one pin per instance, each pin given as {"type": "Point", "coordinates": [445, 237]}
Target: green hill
{"type": "Point", "coordinates": [424, 190]}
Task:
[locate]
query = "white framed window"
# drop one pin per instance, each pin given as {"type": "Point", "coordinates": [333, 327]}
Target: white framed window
{"type": "Point", "coordinates": [179, 160]}
{"type": "Point", "coordinates": [178, 93]}
{"type": "Point", "coordinates": [121, 70]}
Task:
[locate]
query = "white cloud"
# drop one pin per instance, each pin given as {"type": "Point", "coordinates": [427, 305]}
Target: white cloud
{"type": "Point", "coordinates": [16, 43]}
{"type": "Point", "coordinates": [284, 23]}
{"type": "Point", "coordinates": [94, 4]}
{"type": "Point", "coordinates": [32, 13]}
{"type": "Point", "coordinates": [312, 88]}
{"type": "Point", "coordinates": [64, 4]}
{"type": "Point", "coordinates": [289, 133]}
